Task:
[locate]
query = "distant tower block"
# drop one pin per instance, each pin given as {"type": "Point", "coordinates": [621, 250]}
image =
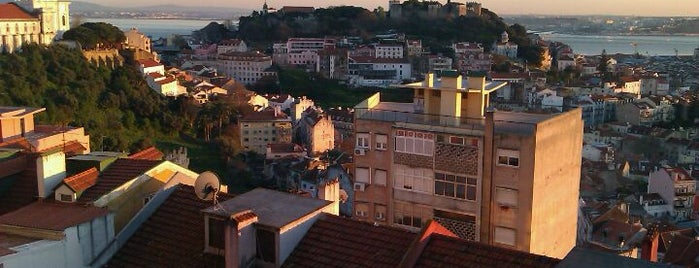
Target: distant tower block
{"type": "Point", "coordinates": [395, 9]}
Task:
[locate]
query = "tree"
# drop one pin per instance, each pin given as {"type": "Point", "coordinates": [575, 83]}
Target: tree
{"type": "Point", "coordinates": [603, 66]}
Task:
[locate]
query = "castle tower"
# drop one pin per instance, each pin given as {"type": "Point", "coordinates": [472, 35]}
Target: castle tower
{"type": "Point", "coordinates": [265, 8]}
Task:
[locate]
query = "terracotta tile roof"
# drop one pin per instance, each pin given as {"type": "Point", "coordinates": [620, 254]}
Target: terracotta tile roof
{"type": "Point", "coordinates": [264, 116]}
{"type": "Point", "coordinates": [52, 215]}
{"type": "Point", "coordinates": [334, 242]}
{"type": "Point", "coordinates": [116, 174]}
{"type": "Point", "coordinates": [155, 75]}
{"type": "Point", "coordinates": [172, 237]}
{"type": "Point", "coordinates": [683, 251]}
{"type": "Point", "coordinates": [10, 11]}
{"type": "Point", "coordinates": [230, 42]}
{"type": "Point", "coordinates": [83, 180]}
{"type": "Point", "coordinates": [445, 251]}
{"type": "Point", "coordinates": [285, 148]}
{"type": "Point", "coordinates": [150, 153]}
{"type": "Point", "coordinates": [148, 63]}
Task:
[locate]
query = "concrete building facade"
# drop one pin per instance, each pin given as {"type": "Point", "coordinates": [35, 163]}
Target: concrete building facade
{"type": "Point", "coordinates": [501, 178]}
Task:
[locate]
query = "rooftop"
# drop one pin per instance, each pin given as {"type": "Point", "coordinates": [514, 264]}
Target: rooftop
{"type": "Point", "coordinates": [51, 215]}
{"type": "Point", "coordinates": [285, 209]}
{"type": "Point", "coordinates": [148, 63]}
{"type": "Point", "coordinates": [83, 180]}
{"type": "Point", "coordinates": [10, 111]}
{"type": "Point", "coordinates": [11, 11]}
{"type": "Point", "coordinates": [265, 115]}
{"type": "Point", "coordinates": [583, 258]}
{"type": "Point", "coordinates": [446, 251]}
{"type": "Point", "coordinates": [150, 153]}
{"type": "Point", "coordinates": [172, 237]}
{"type": "Point", "coordinates": [335, 241]}
{"type": "Point", "coordinates": [118, 173]}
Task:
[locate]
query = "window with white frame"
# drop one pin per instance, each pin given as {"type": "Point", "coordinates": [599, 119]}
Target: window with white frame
{"type": "Point", "coordinates": [505, 236]}
{"type": "Point", "coordinates": [380, 213]}
{"type": "Point", "coordinates": [381, 142]}
{"type": "Point", "coordinates": [508, 158]}
{"type": "Point", "coordinates": [414, 142]}
{"type": "Point", "coordinates": [506, 197]}
{"type": "Point", "coordinates": [379, 177]}
{"type": "Point", "coordinates": [362, 175]}
{"type": "Point", "coordinates": [413, 179]}
{"type": "Point", "coordinates": [455, 186]}
{"type": "Point", "coordinates": [363, 140]}
{"type": "Point", "coordinates": [361, 209]}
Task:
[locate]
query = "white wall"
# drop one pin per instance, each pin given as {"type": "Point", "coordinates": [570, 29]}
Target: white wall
{"type": "Point", "coordinates": [50, 171]}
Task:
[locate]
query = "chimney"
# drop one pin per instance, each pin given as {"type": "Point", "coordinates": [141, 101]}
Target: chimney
{"type": "Point", "coordinates": [330, 191]}
{"type": "Point", "coordinates": [240, 239]}
{"type": "Point", "coordinates": [649, 245]}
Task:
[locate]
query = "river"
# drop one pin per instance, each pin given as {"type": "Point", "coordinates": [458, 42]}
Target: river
{"type": "Point", "coordinates": [581, 44]}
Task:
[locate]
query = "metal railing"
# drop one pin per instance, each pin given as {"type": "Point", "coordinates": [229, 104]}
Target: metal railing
{"type": "Point", "coordinates": [419, 118]}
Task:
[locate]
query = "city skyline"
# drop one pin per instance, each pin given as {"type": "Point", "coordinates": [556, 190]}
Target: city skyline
{"type": "Point", "coordinates": [542, 7]}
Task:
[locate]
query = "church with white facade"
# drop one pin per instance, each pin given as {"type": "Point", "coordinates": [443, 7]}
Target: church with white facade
{"type": "Point", "coordinates": [32, 21]}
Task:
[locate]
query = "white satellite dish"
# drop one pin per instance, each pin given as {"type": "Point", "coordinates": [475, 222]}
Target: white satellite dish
{"type": "Point", "coordinates": [206, 186]}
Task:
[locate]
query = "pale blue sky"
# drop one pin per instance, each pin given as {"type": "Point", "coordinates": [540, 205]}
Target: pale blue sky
{"type": "Point", "coordinates": [563, 7]}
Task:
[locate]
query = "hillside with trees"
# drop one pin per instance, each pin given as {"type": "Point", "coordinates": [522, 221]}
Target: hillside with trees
{"type": "Point", "coordinates": [437, 33]}
{"type": "Point", "coordinates": [116, 107]}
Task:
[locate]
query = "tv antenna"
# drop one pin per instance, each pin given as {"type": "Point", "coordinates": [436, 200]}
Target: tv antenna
{"type": "Point", "coordinates": [207, 186]}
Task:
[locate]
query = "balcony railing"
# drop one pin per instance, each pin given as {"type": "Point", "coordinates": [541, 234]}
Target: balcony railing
{"type": "Point", "coordinates": [419, 118]}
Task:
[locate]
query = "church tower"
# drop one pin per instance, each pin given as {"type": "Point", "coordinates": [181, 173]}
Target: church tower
{"type": "Point", "coordinates": [54, 16]}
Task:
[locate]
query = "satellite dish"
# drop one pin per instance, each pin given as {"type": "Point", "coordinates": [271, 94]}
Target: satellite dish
{"type": "Point", "coordinates": [206, 186]}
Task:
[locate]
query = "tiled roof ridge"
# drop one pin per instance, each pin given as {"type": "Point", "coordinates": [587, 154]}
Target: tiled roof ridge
{"type": "Point", "coordinates": [14, 11]}
{"type": "Point", "coordinates": [81, 181]}
{"type": "Point", "coordinates": [150, 153]}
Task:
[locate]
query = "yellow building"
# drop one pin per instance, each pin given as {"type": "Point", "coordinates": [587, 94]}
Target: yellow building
{"type": "Point", "coordinates": [137, 40]}
{"type": "Point", "coordinates": [506, 179]}
{"type": "Point", "coordinates": [257, 129]}
{"type": "Point", "coordinates": [32, 21]}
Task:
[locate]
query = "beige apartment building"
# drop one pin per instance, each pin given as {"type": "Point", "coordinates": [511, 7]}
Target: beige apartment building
{"type": "Point", "coordinates": [246, 67]}
{"type": "Point", "coordinates": [506, 179]}
{"type": "Point", "coordinates": [257, 129]}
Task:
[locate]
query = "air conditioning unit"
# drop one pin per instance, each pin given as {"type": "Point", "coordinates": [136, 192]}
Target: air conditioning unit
{"type": "Point", "coordinates": [360, 151]}
{"type": "Point", "coordinates": [359, 187]}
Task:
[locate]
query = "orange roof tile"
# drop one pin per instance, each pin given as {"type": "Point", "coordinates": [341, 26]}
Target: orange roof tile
{"type": "Point", "coordinates": [115, 175]}
{"type": "Point", "coordinates": [148, 63]}
{"type": "Point", "coordinates": [83, 180]}
{"type": "Point", "coordinates": [52, 215]}
{"type": "Point", "coordinates": [9, 11]}
{"type": "Point", "coordinates": [150, 153]}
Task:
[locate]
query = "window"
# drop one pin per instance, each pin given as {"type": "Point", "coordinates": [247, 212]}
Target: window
{"type": "Point", "coordinates": [216, 235]}
{"type": "Point", "coordinates": [413, 179]}
{"type": "Point", "coordinates": [505, 236]}
{"type": "Point", "coordinates": [361, 209]}
{"type": "Point", "coordinates": [362, 175]}
{"type": "Point", "coordinates": [506, 197]}
{"type": "Point", "coordinates": [380, 214]}
{"type": "Point", "coordinates": [411, 215]}
{"type": "Point", "coordinates": [381, 141]}
{"type": "Point", "coordinates": [413, 142]}
{"type": "Point", "coordinates": [66, 198]}
{"type": "Point", "coordinates": [266, 246]}
{"type": "Point", "coordinates": [508, 158]}
{"type": "Point", "coordinates": [363, 140]}
{"type": "Point", "coordinates": [379, 177]}
{"type": "Point", "coordinates": [456, 140]}
{"type": "Point", "coordinates": [455, 186]}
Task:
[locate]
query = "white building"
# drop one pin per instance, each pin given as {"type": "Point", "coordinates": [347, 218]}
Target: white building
{"type": "Point", "coordinates": [655, 205]}
{"type": "Point", "coordinates": [231, 45]}
{"type": "Point", "coordinates": [32, 21]}
{"type": "Point", "coordinates": [147, 66]}
{"type": "Point", "coordinates": [165, 85]}
{"type": "Point", "coordinates": [245, 67]}
{"type": "Point", "coordinates": [365, 71]}
{"type": "Point", "coordinates": [505, 47]}
{"type": "Point", "coordinates": [52, 234]}
{"type": "Point", "coordinates": [439, 63]}
{"type": "Point", "coordinates": [300, 51]}
{"type": "Point", "coordinates": [677, 188]}
{"type": "Point", "coordinates": [391, 51]}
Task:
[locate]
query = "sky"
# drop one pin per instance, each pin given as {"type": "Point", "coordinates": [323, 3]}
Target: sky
{"type": "Point", "coordinates": [501, 7]}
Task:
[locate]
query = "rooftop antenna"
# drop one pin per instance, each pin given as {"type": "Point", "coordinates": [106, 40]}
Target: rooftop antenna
{"type": "Point", "coordinates": [207, 187]}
